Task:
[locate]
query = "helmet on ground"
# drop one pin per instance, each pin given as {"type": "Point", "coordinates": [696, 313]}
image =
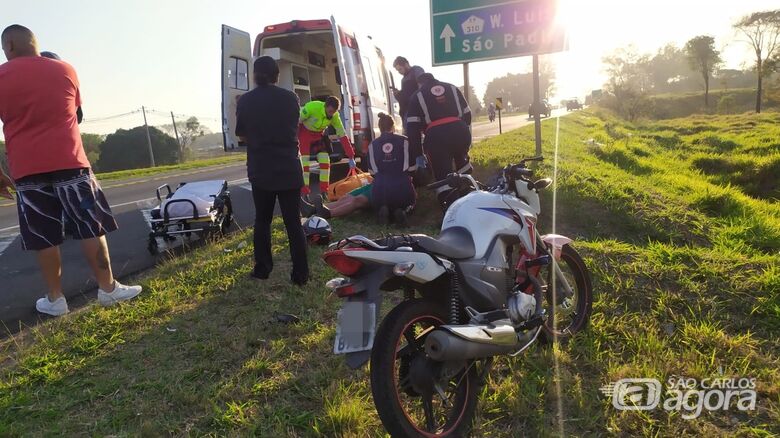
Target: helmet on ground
{"type": "Point", "coordinates": [318, 231]}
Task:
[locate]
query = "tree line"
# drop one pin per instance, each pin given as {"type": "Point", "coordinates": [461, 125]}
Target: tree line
{"type": "Point", "coordinates": [633, 76]}
{"type": "Point", "coordinates": [129, 149]}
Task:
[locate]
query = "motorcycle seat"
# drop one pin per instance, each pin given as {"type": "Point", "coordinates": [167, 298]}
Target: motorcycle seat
{"type": "Point", "coordinates": [454, 243]}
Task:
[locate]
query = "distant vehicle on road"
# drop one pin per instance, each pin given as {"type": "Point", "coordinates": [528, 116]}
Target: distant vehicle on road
{"type": "Point", "coordinates": [317, 58]}
{"type": "Point", "coordinates": [545, 110]}
{"type": "Point", "coordinates": [573, 104]}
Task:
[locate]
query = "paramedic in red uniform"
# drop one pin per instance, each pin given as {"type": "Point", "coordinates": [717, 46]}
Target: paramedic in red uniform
{"type": "Point", "coordinates": [55, 188]}
{"type": "Point", "coordinates": [440, 111]}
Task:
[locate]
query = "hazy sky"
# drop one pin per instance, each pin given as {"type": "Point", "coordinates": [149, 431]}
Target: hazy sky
{"type": "Point", "coordinates": [165, 54]}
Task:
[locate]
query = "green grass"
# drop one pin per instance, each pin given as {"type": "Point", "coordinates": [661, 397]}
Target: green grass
{"type": "Point", "coordinates": [189, 165]}
{"type": "Point", "coordinates": [721, 101]}
{"type": "Point", "coordinates": [685, 266]}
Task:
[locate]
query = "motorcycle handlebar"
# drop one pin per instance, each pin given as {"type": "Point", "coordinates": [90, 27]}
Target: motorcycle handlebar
{"type": "Point", "coordinates": [451, 180]}
{"type": "Point", "coordinates": [537, 158]}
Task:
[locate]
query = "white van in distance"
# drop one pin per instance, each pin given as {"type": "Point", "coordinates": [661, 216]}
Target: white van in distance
{"type": "Point", "coordinates": [317, 58]}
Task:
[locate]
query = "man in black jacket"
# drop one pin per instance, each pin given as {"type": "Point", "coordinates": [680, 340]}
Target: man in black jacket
{"type": "Point", "coordinates": [268, 123]}
{"type": "Point", "coordinates": [408, 85]}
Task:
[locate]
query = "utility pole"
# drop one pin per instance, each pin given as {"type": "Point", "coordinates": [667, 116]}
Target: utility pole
{"type": "Point", "coordinates": [176, 132]}
{"type": "Point", "coordinates": [537, 108]}
{"type": "Point", "coordinates": [466, 86]}
{"type": "Point", "coordinates": [148, 138]}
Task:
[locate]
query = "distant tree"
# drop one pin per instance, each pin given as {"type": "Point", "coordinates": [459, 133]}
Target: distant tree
{"type": "Point", "coordinates": [547, 85]}
{"type": "Point", "coordinates": [705, 59]}
{"type": "Point", "coordinates": [474, 102]}
{"type": "Point", "coordinates": [517, 89]}
{"type": "Point", "coordinates": [629, 82]}
{"type": "Point", "coordinates": [762, 30]}
{"type": "Point", "coordinates": [91, 144]}
{"type": "Point", "coordinates": [187, 131]}
{"type": "Point", "coordinates": [668, 68]}
{"type": "Point", "coordinates": [128, 149]}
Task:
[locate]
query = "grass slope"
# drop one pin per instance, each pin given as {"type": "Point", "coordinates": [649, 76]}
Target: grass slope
{"type": "Point", "coordinates": [685, 266]}
{"type": "Point", "coordinates": [194, 164]}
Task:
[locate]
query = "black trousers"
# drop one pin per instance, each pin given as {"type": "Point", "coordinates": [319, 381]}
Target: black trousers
{"type": "Point", "coordinates": [446, 145]}
{"type": "Point", "coordinates": [264, 213]}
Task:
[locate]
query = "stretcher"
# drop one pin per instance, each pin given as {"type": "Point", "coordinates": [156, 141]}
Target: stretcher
{"type": "Point", "coordinates": [199, 207]}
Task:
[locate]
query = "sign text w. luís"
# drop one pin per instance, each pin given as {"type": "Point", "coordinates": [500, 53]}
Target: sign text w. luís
{"type": "Point", "coordinates": [477, 30]}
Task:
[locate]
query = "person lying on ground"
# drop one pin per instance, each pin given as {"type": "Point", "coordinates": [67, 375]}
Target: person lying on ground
{"type": "Point", "coordinates": [392, 192]}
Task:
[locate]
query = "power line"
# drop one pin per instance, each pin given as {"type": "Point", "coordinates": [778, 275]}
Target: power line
{"type": "Point", "coordinates": [112, 117]}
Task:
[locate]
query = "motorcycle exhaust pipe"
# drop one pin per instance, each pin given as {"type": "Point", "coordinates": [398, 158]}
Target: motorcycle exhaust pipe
{"type": "Point", "coordinates": [442, 345]}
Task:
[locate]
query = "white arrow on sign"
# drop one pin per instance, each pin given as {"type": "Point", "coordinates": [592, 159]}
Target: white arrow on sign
{"type": "Point", "coordinates": [447, 34]}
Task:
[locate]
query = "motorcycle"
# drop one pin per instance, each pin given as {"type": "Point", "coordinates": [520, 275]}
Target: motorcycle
{"type": "Point", "coordinates": [489, 285]}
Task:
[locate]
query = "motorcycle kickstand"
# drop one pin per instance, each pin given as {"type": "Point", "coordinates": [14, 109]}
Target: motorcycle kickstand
{"type": "Point", "coordinates": [483, 373]}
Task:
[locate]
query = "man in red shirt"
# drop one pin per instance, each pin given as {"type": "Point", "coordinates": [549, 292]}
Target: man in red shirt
{"type": "Point", "coordinates": [55, 188]}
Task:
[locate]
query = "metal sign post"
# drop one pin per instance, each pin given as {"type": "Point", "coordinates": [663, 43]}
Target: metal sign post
{"type": "Point", "coordinates": [499, 107]}
{"type": "Point", "coordinates": [466, 85]}
{"type": "Point", "coordinates": [538, 107]}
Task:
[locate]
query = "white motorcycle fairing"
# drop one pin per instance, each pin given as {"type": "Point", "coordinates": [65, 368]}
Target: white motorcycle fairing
{"type": "Point", "coordinates": [425, 268]}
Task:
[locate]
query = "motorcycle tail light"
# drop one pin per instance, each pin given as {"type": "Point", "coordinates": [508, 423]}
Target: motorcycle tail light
{"type": "Point", "coordinates": [342, 263]}
{"type": "Point", "coordinates": [341, 286]}
{"type": "Point", "coordinates": [346, 290]}
{"type": "Point", "coordinates": [335, 283]}
{"type": "Point", "coordinates": [401, 269]}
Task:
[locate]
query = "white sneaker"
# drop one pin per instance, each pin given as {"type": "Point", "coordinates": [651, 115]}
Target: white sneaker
{"type": "Point", "coordinates": [120, 293]}
{"type": "Point", "coordinates": [57, 307]}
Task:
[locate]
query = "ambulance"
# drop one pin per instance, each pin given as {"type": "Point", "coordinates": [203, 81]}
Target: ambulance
{"type": "Point", "coordinates": [317, 58]}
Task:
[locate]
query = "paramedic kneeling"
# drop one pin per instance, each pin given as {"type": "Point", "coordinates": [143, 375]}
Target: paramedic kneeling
{"type": "Point", "coordinates": [391, 158]}
{"type": "Point", "coordinates": [267, 120]}
{"type": "Point", "coordinates": [55, 188]}
{"type": "Point", "coordinates": [317, 116]}
{"type": "Point", "coordinates": [440, 110]}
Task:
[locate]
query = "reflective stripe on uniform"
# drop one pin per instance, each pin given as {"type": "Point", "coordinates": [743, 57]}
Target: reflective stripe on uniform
{"type": "Point", "coordinates": [465, 168]}
{"type": "Point", "coordinates": [372, 161]}
{"type": "Point", "coordinates": [413, 119]}
{"type": "Point", "coordinates": [424, 107]}
{"type": "Point", "coordinates": [406, 155]}
{"type": "Point", "coordinates": [457, 101]}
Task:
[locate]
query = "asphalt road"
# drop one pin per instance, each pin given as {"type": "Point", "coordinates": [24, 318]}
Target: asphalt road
{"type": "Point", "coordinates": [21, 283]}
{"type": "Point", "coordinates": [483, 130]}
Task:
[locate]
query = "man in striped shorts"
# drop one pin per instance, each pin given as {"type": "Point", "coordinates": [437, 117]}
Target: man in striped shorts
{"type": "Point", "coordinates": [55, 188]}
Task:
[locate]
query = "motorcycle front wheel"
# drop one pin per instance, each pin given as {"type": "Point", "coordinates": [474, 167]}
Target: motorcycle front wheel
{"type": "Point", "coordinates": [565, 317]}
{"type": "Point", "coordinates": [414, 395]}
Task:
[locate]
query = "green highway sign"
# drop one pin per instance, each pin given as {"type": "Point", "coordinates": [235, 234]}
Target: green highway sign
{"type": "Point", "coordinates": [478, 30]}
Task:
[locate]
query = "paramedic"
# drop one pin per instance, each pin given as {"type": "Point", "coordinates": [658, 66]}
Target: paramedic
{"type": "Point", "coordinates": [408, 85]}
{"type": "Point", "coordinates": [390, 161]}
{"type": "Point", "coordinates": [55, 187]}
{"type": "Point", "coordinates": [267, 120]}
{"type": "Point", "coordinates": [440, 111]}
{"type": "Point", "coordinates": [317, 116]}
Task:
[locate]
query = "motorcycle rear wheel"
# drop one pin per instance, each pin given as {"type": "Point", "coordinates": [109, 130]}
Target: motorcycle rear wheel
{"type": "Point", "coordinates": [399, 371]}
